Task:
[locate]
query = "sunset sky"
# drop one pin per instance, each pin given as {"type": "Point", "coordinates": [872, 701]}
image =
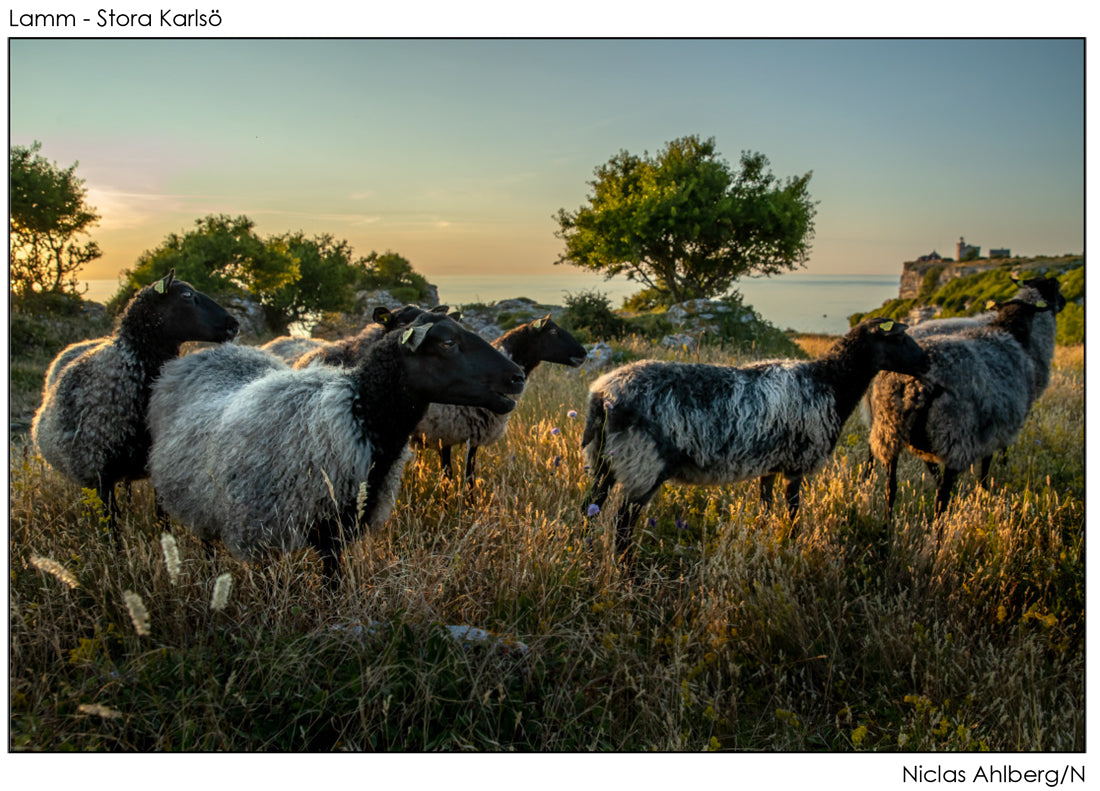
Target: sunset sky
{"type": "Point", "coordinates": [457, 153]}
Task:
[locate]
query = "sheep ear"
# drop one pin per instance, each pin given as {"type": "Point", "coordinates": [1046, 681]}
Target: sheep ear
{"type": "Point", "coordinates": [542, 322]}
{"type": "Point", "coordinates": [161, 286]}
{"type": "Point", "coordinates": [455, 314]}
{"type": "Point", "coordinates": [414, 336]}
{"type": "Point", "coordinates": [439, 309]}
{"type": "Point", "coordinates": [383, 316]}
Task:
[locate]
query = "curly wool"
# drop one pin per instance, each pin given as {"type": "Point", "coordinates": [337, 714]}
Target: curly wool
{"type": "Point", "coordinates": [295, 434]}
{"type": "Point", "coordinates": [990, 385]}
{"type": "Point", "coordinates": [290, 349]}
{"type": "Point", "coordinates": [91, 425]}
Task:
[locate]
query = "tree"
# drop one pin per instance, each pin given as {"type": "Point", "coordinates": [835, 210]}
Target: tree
{"type": "Point", "coordinates": [394, 273]}
{"type": "Point", "coordinates": [684, 224]}
{"type": "Point", "coordinates": [291, 276]}
{"type": "Point", "coordinates": [48, 212]}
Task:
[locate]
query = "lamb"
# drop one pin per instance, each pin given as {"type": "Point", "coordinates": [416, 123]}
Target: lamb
{"type": "Point", "coordinates": [527, 345]}
{"type": "Point", "coordinates": [91, 426]}
{"type": "Point", "coordinates": [974, 400]}
{"type": "Point", "coordinates": [348, 352]}
{"type": "Point", "coordinates": [270, 458]}
{"type": "Point", "coordinates": [650, 421]}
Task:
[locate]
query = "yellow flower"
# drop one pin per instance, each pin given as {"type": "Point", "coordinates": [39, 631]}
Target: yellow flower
{"type": "Point", "coordinates": [858, 735]}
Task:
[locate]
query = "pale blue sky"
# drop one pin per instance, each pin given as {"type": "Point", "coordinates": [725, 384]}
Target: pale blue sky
{"type": "Point", "coordinates": [457, 153]}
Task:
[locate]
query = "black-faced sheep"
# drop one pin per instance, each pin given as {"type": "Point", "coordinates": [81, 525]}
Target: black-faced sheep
{"type": "Point", "coordinates": [270, 458]}
{"type": "Point", "coordinates": [1040, 346]}
{"type": "Point", "coordinates": [527, 345]}
{"type": "Point", "coordinates": [973, 400]}
{"type": "Point", "coordinates": [91, 425]}
{"type": "Point", "coordinates": [349, 352]}
{"type": "Point", "coordinates": [649, 422]}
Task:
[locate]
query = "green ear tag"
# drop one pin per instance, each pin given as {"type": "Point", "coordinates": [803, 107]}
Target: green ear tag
{"type": "Point", "coordinates": [886, 326]}
{"type": "Point", "coordinates": [406, 336]}
{"type": "Point", "coordinates": [159, 287]}
{"type": "Point", "coordinates": [1041, 304]}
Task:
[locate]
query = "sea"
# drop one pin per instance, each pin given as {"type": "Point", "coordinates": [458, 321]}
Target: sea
{"type": "Point", "coordinates": [798, 300]}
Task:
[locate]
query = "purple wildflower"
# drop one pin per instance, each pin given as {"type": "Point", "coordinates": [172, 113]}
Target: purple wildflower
{"type": "Point", "coordinates": [593, 509]}
{"type": "Point", "coordinates": [652, 521]}
{"type": "Point", "coordinates": [572, 413]}
{"type": "Point", "coordinates": [555, 430]}
{"type": "Point", "coordinates": [557, 461]}
{"type": "Point", "coordinates": [681, 524]}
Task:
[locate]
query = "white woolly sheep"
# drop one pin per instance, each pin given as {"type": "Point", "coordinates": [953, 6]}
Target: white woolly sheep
{"type": "Point", "coordinates": [649, 422]}
{"type": "Point", "coordinates": [527, 345]}
{"type": "Point", "coordinates": [270, 458]}
{"type": "Point", "coordinates": [91, 425]}
{"type": "Point", "coordinates": [973, 400]}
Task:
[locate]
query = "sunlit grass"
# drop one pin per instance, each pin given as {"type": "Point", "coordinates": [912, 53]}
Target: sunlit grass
{"type": "Point", "coordinates": [856, 635]}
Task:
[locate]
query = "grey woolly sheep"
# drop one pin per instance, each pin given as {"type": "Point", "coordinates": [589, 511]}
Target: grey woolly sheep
{"type": "Point", "coordinates": [91, 425]}
{"type": "Point", "coordinates": [1040, 346]}
{"type": "Point", "coordinates": [649, 422]}
{"type": "Point", "coordinates": [973, 400]}
{"type": "Point", "coordinates": [348, 352]}
{"type": "Point", "coordinates": [270, 458]}
{"type": "Point", "coordinates": [290, 349]}
{"type": "Point", "coordinates": [527, 345]}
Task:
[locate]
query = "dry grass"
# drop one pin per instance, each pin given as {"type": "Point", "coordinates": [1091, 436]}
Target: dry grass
{"type": "Point", "coordinates": [856, 636]}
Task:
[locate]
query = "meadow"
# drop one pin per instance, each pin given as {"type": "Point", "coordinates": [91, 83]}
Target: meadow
{"type": "Point", "coordinates": [858, 635]}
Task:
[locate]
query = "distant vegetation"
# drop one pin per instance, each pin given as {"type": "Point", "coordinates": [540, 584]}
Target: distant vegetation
{"type": "Point", "coordinates": [967, 296]}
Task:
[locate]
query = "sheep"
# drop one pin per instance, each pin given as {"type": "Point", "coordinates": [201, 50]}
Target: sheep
{"type": "Point", "coordinates": [348, 352]}
{"type": "Point", "coordinates": [289, 348]}
{"type": "Point", "coordinates": [972, 403]}
{"type": "Point", "coordinates": [650, 421]}
{"type": "Point", "coordinates": [1040, 346]}
{"type": "Point", "coordinates": [268, 458]}
{"type": "Point", "coordinates": [527, 345]}
{"type": "Point", "coordinates": [91, 425]}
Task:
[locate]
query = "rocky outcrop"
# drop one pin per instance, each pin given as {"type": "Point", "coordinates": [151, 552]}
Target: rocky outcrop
{"type": "Point", "coordinates": [913, 274]}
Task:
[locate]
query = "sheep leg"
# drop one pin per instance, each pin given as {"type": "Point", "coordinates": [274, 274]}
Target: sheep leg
{"type": "Point", "coordinates": [106, 492]}
{"type": "Point", "coordinates": [934, 469]}
{"type": "Point", "coordinates": [943, 495]}
{"type": "Point", "coordinates": [793, 497]}
{"type": "Point", "coordinates": [767, 482]}
{"type": "Point", "coordinates": [471, 452]}
{"type": "Point", "coordinates": [625, 519]}
{"type": "Point", "coordinates": [445, 459]}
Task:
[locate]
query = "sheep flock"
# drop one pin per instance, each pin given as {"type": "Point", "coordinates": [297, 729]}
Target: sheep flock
{"type": "Point", "coordinates": [303, 444]}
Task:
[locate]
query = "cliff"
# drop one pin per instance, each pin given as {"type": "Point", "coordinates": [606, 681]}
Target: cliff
{"type": "Point", "coordinates": [914, 273]}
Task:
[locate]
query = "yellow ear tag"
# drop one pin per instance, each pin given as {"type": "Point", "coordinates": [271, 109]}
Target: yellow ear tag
{"type": "Point", "coordinates": [886, 326]}
{"type": "Point", "coordinates": [1040, 304]}
{"type": "Point", "coordinates": [159, 287]}
{"type": "Point", "coordinates": [405, 337]}
{"type": "Point", "coordinates": [990, 304]}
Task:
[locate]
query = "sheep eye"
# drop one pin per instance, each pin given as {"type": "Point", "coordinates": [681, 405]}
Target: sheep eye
{"type": "Point", "coordinates": [447, 344]}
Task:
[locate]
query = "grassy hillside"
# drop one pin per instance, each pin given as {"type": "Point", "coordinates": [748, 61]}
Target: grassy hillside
{"type": "Point", "coordinates": [856, 636]}
{"type": "Point", "coordinates": [966, 296]}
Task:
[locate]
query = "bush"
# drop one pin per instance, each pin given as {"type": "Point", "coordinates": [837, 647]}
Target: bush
{"type": "Point", "coordinates": [589, 317]}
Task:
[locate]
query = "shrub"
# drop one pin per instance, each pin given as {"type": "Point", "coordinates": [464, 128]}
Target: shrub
{"type": "Point", "coordinates": [589, 317]}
